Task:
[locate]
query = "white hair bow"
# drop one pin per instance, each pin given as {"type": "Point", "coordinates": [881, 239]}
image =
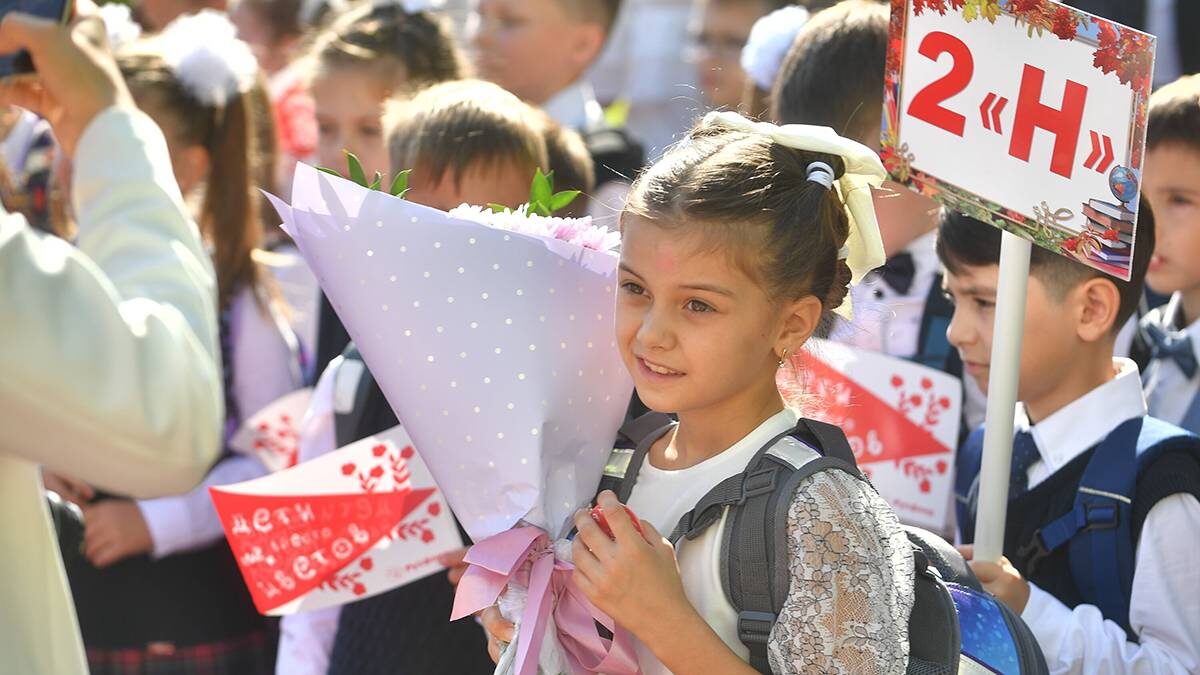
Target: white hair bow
{"type": "Point", "coordinates": [864, 170]}
{"type": "Point", "coordinates": [209, 59]}
{"type": "Point", "coordinates": [769, 42]}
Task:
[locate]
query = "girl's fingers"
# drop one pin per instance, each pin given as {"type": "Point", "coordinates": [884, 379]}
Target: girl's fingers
{"type": "Point", "coordinates": [618, 519]}
{"type": "Point", "coordinates": [592, 537]}
{"type": "Point", "coordinates": [587, 565]}
{"type": "Point", "coordinates": [495, 625]}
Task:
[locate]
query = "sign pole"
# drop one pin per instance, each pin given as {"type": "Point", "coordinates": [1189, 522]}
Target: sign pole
{"type": "Point", "coordinates": [1002, 397]}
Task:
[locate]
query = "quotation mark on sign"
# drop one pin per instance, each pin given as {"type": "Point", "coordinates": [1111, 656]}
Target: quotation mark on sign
{"type": "Point", "coordinates": [989, 112]}
{"type": "Point", "coordinates": [1101, 157]}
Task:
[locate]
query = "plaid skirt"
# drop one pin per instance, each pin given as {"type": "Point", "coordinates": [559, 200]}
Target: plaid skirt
{"type": "Point", "coordinates": [250, 655]}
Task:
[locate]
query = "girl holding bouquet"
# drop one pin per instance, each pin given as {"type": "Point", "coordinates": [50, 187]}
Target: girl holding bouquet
{"type": "Point", "coordinates": [736, 246]}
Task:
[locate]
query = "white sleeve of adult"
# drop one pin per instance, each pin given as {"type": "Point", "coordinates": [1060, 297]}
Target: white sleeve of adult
{"type": "Point", "coordinates": [188, 522]}
{"type": "Point", "coordinates": [306, 641]}
{"type": "Point", "coordinates": [1164, 608]}
{"type": "Point", "coordinates": [108, 352]}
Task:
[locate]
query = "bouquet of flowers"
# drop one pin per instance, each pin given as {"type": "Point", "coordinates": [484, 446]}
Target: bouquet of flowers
{"type": "Point", "coordinates": [490, 334]}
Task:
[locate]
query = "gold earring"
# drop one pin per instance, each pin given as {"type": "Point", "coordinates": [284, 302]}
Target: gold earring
{"type": "Point", "coordinates": [783, 358]}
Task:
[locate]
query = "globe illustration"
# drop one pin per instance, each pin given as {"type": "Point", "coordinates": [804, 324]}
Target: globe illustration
{"type": "Point", "coordinates": [1123, 182]}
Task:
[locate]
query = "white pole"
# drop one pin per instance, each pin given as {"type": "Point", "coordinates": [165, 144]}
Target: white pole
{"type": "Point", "coordinates": [1002, 397]}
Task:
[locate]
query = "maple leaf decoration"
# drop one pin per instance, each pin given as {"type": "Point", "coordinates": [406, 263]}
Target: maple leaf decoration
{"type": "Point", "coordinates": [1125, 53]}
{"type": "Point", "coordinates": [356, 173]}
{"type": "Point", "coordinates": [1063, 24]}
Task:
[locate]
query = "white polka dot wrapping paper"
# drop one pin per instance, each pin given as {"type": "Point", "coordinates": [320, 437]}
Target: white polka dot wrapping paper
{"type": "Point", "coordinates": [495, 349]}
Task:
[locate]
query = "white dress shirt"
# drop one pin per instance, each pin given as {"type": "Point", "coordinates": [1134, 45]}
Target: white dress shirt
{"type": "Point", "coordinates": [1164, 610]}
{"type": "Point", "coordinates": [886, 321]}
{"type": "Point", "coordinates": [1169, 392]}
{"type": "Point", "coordinates": [266, 366]}
{"type": "Point", "coordinates": [108, 369]}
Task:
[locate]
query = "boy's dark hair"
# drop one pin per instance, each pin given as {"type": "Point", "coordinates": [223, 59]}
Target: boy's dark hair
{"type": "Point", "coordinates": [603, 12]}
{"type": "Point", "coordinates": [963, 241]}
{"type": "Point", "coordinates": [833, 74]}
{"type": "Point", "coordinates": [571, 163]}
{"type": "Point", "coordinates": [1175, 114]}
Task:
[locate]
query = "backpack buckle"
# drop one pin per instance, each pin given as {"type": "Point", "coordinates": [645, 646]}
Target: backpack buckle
{"type": "Point", "coordinates": [758, 483]}
{"type": "Point", "coordinates": [755, 627]}
{"type": "Point", "coordinates": [1033, 552]}
{"type": "Point", "coordinates": [1100, 516]}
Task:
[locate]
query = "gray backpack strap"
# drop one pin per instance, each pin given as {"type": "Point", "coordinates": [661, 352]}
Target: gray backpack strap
{"type": "Point", "coordinates": [633, 443]}
{"type": "Point", "coordinates": [754, 548]}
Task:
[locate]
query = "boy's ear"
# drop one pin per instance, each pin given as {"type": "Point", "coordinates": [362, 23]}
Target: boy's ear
{"type": "Point", "coordinates": [803, 317]}
{"type": "Point", "coordinates": [1099, 302]}
{"type": "Point", "coordinates": [587, 42]}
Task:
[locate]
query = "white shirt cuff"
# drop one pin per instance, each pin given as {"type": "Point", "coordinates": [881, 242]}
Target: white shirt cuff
{"type": "Point", "coordinates": [169, 523]}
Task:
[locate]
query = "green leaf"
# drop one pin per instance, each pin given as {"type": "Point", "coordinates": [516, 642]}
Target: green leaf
{"type": "Point", "coordinates": [498, 208]}
{"type": "Point", "coordinates": [400, 184]}
{"type": "Point", "coordinates": [356, 169]}
{"type": "Point", "coordinates": [562, 200]}
{"type": "Point", "coordinates": [541, 209]}
{"type": "Point", "coordinates": [331, 172]}
{"type": "Point", "coordinates": [542, 190]}
{"type": "Point", "coordinates": [378, 181]}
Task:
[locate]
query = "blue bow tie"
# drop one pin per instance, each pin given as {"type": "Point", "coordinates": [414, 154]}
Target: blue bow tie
{"type": "Point", "coordinates": [1174, 345]}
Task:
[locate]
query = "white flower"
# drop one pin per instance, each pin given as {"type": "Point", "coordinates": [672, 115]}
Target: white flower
{"type": "Point", "coordinates": [206, 55]}
{"type": "Point", "coordinates": [578, 231]}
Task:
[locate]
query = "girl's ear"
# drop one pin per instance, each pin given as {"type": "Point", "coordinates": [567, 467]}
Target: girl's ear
{"type": "Point", "coordinates": [799, 323]}
{"type": "Point", "coordinates": [1099, 301]}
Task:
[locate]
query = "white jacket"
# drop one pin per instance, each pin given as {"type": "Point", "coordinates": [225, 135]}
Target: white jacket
{"type": "Point", "coordinates": [108, 369]}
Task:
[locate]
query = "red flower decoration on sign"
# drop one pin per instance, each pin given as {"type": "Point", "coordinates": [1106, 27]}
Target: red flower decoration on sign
{"type": "Point", "coordinates": [1063, 24]}
{"type": "Point", "coordinates": [377, 472]}
{"type": "Point", "coordinates": [407, 452]}
{"type": "Point", "coordinates": [435, 508]}
{"type": "Point", "coordinates": [379, 450]}
{"type": "Point", "coordinates": [367, 564]}
{"type": "Point", "coordinates": [347, 469]}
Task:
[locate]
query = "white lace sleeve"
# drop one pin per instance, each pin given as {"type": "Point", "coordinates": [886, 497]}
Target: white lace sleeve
{"type": "Point", "coordinates": [852, 582]}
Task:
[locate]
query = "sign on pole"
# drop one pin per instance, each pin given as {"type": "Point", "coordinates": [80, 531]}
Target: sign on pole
{"type": "Point", "coordinates": [1026, 114]}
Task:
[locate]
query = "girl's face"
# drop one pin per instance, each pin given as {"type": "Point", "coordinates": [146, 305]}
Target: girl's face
{"type": "Point", "coordinates": [349, 108]}
{"type": "Point", "coordinates": [695, 331]}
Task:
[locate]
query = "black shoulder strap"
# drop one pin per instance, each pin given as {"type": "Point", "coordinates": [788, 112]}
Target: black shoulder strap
{"type": "Point", "coordinates": [633, 442]}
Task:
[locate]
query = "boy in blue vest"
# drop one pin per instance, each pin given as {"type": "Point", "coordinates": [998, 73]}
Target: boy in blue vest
{"type": "Point", "coordinates": [1102, 543]}
{"type": "Point", "coordinates": [1171, 184]}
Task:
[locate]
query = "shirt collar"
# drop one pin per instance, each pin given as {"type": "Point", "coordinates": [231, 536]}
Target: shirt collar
{"type": "Point", "coordinates": [1084, 422]}
{"type": "Point", "coordinates": [575, 107]}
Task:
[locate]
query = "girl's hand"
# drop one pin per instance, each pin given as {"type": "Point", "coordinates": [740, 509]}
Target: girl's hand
{"type": "Point", "coordinates": [114, 529]}
{"type": "Point", "coordinates": [497, 628]}
{"type": "Point", "coordinates": [632, 577]}
{"type": "Point", "coordinates": [1001, 579]}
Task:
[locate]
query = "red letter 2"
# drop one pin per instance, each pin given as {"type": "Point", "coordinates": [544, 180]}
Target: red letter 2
{"type": "Point", "coordinates": [1064, 123]}
{"type": "Point", "coordinates": [927, 104]}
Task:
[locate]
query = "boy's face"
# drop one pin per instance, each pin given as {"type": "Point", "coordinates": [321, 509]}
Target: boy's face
{"type": "Point", "coordinates": [1047, 348]}
{"type": "Point", "coordinates": [1171, 184]}
{"type": "Point", "coordinates": [533, 48]}
{"type": "Point", "coordinates": [349, 106]}
{"type": "Point", "coordinates": [479, 185]}
{"type": "Point", "coordinates": [719, 30]}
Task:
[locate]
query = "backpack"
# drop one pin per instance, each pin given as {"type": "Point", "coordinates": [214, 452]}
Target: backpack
{"type": "Point", "coordinates": [1102, 525]}
{"type": "Point", "coordinates": [954, 622]}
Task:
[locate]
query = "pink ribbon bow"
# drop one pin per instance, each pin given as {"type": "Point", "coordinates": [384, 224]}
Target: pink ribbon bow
{"type": "Point", "coordinates": [498, 559]}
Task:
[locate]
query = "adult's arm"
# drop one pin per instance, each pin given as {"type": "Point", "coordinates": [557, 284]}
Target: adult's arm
{"type": "Point", "coordinates": [108, 356]}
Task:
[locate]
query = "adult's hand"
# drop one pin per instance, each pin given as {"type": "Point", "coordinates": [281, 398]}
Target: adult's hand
{"type": "Point", "coordinates": [75, 79]}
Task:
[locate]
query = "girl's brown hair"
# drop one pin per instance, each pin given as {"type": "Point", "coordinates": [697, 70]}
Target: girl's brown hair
{"type": "Point", "coordinates": [402, 49]}
{"type": "Point", "coordinates": [753, 198]}
{"type": "Point", "coordinates": [229, 214]}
